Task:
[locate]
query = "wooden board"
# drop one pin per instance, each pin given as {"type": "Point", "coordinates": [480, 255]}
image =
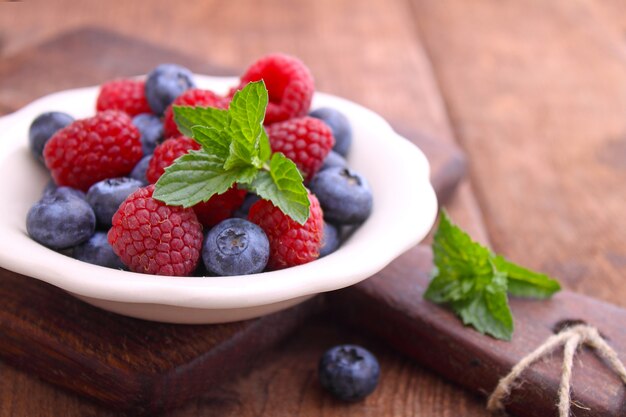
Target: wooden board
{"type": "Point", "coordinates": [139, 365]}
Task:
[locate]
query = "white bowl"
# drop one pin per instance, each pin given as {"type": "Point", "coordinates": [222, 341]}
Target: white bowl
{"type": "Point", "coordinates": [404, 210]}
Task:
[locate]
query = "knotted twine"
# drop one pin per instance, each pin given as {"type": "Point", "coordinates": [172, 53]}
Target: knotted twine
{"type": "Point", "coordinates": [571, 338]}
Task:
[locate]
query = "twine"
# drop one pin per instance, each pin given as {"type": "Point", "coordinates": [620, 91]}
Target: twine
{"type": "Point", "coordinates": [571, 338]}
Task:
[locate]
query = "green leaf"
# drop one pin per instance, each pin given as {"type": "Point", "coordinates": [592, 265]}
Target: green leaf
{"type": "Point", "coordinates": [215, 142]}
{"type": "Point", "coordinates": [247, 112]}
{"type": "Point", "coordinates": [474, 281]}
{"type": "Point", "coordinates": [526, 283]}
{"type": "Point", "coordinates": [460, 263]}
{"type": "Point", "coordinates": [186, 117]}
{"type": "Point", "coordinates": [283, 187]}
{"type": "Point", "coordinates": [265, 149]}
{"type": "Point", "coordinates": [193, 178]}
{"type": "Point", "coordinates": [488, 310]}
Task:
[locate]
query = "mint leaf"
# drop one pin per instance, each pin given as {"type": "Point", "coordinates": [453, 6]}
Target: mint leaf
{"type": "Point", "coordinates": [235, 150]}
{"type": "Point", "coordinates": [213, 141]}
{"type": "Point", "coordinates": [247, 111]}
{"type": "Point", "coordinates": [283, 187]}
{"type": "Point", "coordinates": [487, 310]}
{"type": "Point", "coordinates": [187, 117]}
{"type": "Point", "coordinates": [526, 283]}
{"type": "Point", "coordinates": [195, 177]}
{"type": "Point", "coordinates": [474, 282]}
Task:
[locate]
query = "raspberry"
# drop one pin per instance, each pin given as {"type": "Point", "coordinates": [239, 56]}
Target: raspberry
{"type": "Point", "coordinates": [291, 243]}
{"type": "Point", "coordinates": [89, 150]}
{"type": "Point", "coordinates": [289, 83]}
{"type": "Point", "coordinates": [125, 95]}
{"type": "Point", "coordinates": [306, 141]}
{"type": "Point", "coordinates": [152, 238]}
{"type": "Point", "coordinates": [219, 207]}
{"type": "Point", "coordinates": [166, 153]}
{"type": "Point", "coordinates": [194, 97]}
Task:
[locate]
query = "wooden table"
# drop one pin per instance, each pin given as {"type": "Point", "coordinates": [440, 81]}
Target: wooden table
{"type": "Point", "coordinates": [534, 91]}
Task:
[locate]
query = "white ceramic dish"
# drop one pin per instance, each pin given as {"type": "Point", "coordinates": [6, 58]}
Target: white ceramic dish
{"type": "Point", "coordinates": [404, 210]}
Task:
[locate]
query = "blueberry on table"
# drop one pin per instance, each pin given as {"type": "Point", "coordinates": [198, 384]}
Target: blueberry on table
{"type": "Point", "coordinates": [344, 194]}
{"type": "Point", "coordinates": [330, 240]}
{"type": "Point", "coordinates": [98, 251]}
{"type": "Point", "coordinates": [60, 220]}
{"type": "Point", "coordinates": [349, 372]}
{"type": "Point", "coordinates": [43, 128]}
{"type": "Point", "coordinates": [139, 172]}
{"type": "Point", "coordinates": [151, 129]}
{"type": "Point", "coordinates": [164, 84]}
{"type": "Point", "coordinates": [339, 124]}
{"type": "Point", "coordinates": [106, 196]}
{"type": "Point", "coordinates": [235, 247]}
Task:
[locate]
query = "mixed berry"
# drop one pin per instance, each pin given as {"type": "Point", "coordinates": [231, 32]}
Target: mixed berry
{"type": "Point", "coordinates": [101, 205]}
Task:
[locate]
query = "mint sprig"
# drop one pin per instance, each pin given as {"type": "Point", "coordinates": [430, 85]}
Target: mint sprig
{"type": "Point", "coordinates": [474, 281]}
{"type": "Point", "coordinates": [235, 150]}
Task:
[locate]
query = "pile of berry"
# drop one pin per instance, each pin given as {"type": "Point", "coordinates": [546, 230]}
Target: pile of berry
{"type": "Point", "coordinates": [99, 208]}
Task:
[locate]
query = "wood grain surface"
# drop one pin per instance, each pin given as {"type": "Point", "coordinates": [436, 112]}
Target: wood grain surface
{"type": "Point", "coordinates": [533, 90]}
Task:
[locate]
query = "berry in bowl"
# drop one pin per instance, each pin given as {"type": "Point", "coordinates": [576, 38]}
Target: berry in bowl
{"type": "Point", "coordinates": [197, 199]}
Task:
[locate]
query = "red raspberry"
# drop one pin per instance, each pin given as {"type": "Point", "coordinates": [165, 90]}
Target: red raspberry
{"type": "Point", "coordinates": [152, 238]}
{"type": "Point", "coordinates": [219, 207]}
{"type": "Point", "coordinates": [125, 95]}
{"type": "Point", "coordinates": [291, 243]}
{"type": "Point", "coordinates": [90, 150]}
{"type": "Point", "coordinates": [289, 83]}
{"type": "Point", "coordinates": [306, 141]}
{"type": "Point", "coordinates": [193, 97]}
{"type": "Point", "coordinates": [165, 154]}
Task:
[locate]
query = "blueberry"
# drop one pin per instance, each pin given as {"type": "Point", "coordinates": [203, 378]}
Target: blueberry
{"type": "Point", "coordinates": [106, 196]}
{"type": "Point", "coordinates": [43, 128]}
{"type": "Point", "coordinates": [330, 240]}
{"type": "Point", "coordinates": [349, 372]}
{"type": "Point", "coordinates": [164, 84]}
{"type": "Point", "coordinates": [333, 159]}
{"type": "Point", "coordinates": [242, 211]}
{"type": "Point", "coordinates": [151, 129]}
{"type": "Point", "coordinates": [339, 124]}
{"type": "Point", "coordinates": [139, 172]}
{"type": "Point", "coordinates": [52, 188]}
{"type": "Point", "coordinates": [344, 195]}
{"type": "Point", "coordinates": [98, 251]}
{"type": "Point", "coordinates": [60, 220]}
{"type": "Point", "coordinates": [235, 247]}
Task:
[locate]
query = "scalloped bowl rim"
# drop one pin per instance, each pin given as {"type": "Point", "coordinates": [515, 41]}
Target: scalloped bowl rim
{"type": "Point", "coordinates": [405, 208]}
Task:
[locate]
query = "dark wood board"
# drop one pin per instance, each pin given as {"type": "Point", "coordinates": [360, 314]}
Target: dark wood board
{"type": "Point", "coordinates": [118, 361]}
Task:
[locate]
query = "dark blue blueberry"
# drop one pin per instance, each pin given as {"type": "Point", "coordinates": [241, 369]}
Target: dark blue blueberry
{"type": "Point", "coordinates": [98, 251]}
{"type": "Point", "coordinates": [345, 196]}
{"type": "Point", "coordinates": [349, 372]}
{"type": "Point", "coordinates": [106, 196]}
{"type": "Point", "coordinates": [330, 240]}
{"type": "Point", "coordinates": [151, 130]}
{"type": "Point", "coordinates": [43, 127]}
{"type": "Point", "coordinates": [242, 211]}
{"type": "Point", "coordinates": [164, 84]}
{"type": "Point", "coordinates": [139, 172]}
{"type": "Point", "coordinates": [235, 247]}
{"type": "Point", "coordinates": [60, 220]}
{"type": "Point", "coordinates": [52, 188]}
{"type": "Point", "coordinates": [333, 159]}
{"type": "Point", "coordinates": [339, 124]}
